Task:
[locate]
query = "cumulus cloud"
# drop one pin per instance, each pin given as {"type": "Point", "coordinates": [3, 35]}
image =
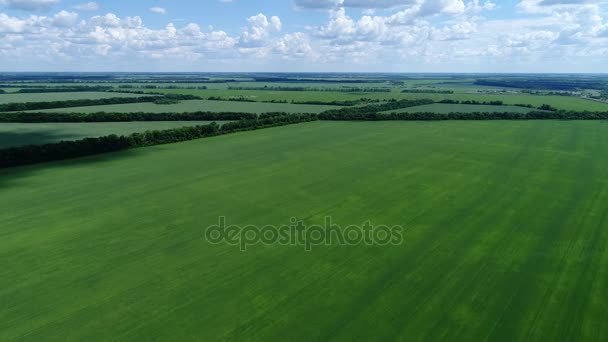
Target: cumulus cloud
{"type": "Point", "coordinates": [30, 5]}
{"type": "Point", "coordinates": [259, 29]}
{"type": "Point", "coordinates": [89, 6]}
{"type": "Point", "coordinates": [354, 3]}
{"type": "Point", "coordinates": [158, 10]}
{"type": "Point", "coordinates": [385, 34]}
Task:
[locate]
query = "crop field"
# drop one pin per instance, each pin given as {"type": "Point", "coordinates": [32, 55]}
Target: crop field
{"type": "Point", "coordinates": [196, 106]}
{"type": "Point", "coordinates": [47, 97]}
{"type": "Point", "coordinates": [505, 236]}
{"type": "Point", "coordinates": [445, 108]}
{"type": "Point", "coordinates": [19, 134]}
{"type": "Point", "coordinates": [560, 102]}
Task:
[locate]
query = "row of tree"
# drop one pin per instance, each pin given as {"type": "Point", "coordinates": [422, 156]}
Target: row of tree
{"type": "Point", "coordinates": [431, 116]}
{"type": "Point", "coordinates": [381, 107]}
{"type": "Point", "coordinates": [499, 103]}
{"type": "Point", "coordinates": [427, 91]}
{"type": "Point", "coordinates": [26, 106]}
{"type": "Point", "coordinates": [161, 86]}
{"type": "Point", "coordinates": [334, 89]}
{"type": "Point", "coordinates": [123, 117]}
{"type": "Point", "coordinates": [62, 89]}
{"type": "Point", "coordinates": [91, 146]}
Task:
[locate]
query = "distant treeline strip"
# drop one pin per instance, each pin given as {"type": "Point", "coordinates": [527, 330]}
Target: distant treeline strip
{"type": "Point", "coordinates": [60, 90]}
{"type": "Point", "coordinates": [90, 146]}
{"type": "Point", "coordinates": [122, 117]}
{"type": "Point", "coordinates": [430, 116]}
{"type": "Point", "coordinates": [26, 106]}
{"type": "Point", "coordinates": [427, 91]}
{"type": "Point", "coordinates": [381, 107]}
{"type": "Point", "coordinates": [337, 90]}
{"type": "Point", "coordinates": [31, 90]}
{"type": "Point", "coordinates": [152, 86]}
{"type": "Point", "coordinates": [497, 103]}
{"type": "Point", "coordinates": [311, 80]}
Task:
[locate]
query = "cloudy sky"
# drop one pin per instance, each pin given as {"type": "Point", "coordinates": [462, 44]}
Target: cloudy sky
{"type": "Point", "coordinates": [305, 35]}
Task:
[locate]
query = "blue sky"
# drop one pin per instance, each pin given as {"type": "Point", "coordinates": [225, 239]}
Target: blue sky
{"type": "Point", "coordinates": [305, 35]}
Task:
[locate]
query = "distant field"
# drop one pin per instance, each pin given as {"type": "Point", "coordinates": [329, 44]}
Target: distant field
{"type": "Point", "coordinates": [47, 97]}
{"type": "Point", "coordinates": [444, 108]}
{"type": "Point", "coordinates": [19, 134]}
{"type": "Point", "coordinates": [505, 238]}
{"type": "Point", "coordinates": [198, 105]}
{"type": "Point", "coordinates": [560, 102]}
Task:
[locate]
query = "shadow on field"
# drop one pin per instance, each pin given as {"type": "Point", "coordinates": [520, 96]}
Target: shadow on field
{"type": "Point", "coordinates": [17, 176]}
{"type": "Point", "coordinates": [38, 137]}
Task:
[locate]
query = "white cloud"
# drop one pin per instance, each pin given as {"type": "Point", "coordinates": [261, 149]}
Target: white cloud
{"type": "Point", "coordinates": [65, 19]}
{"type": "Point", "coordinates": [158, 10]}
{"type": "Point", "coordinates": [30, 5]}
{"type": "Point", "coordinates": [259, 29]}
{"type": "Point", "coordinates": [89, 6]}
{"type": "Point", "coordinates": [391, 36]}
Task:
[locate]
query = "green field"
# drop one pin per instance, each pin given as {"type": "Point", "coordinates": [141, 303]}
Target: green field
{"type": "Point", "coordinates": [560, 102]}
{"type": "Point", "coordinates": [47, 97]}
{"type": "Point", "coordinates": [444, 108]}
{"type": "Point", "coordinates": [19, 134]}
{"type": "Point", "coordinates": [506, 236]}
{"type": "Point", "coordinates": [196, 106]}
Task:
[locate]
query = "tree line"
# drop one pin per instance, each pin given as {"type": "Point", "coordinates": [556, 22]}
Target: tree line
{"type": "Point", "coordinates": [61, 89]}
{"type": "Point", "coordinates": [338, 90]}
{"type": "Point", "coordinates": [431, 116]}
{"type": "Point", "coordinates": [26, 106]}
{"type": "Point", "coordinates": [381, 107]}
{"type": "Point", "coordinates": [499, 103]}
{"type": "Point", "coordinates": [152, 86]}
{"type": "Point", "coordinates": [90, 146]}
{"type": "Point", "coordinates": [427, 91]}
{"type": "Point", "coordinates": [123, 117]}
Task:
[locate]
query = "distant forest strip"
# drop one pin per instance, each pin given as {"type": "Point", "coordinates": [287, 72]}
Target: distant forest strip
{"type": "Point", "coordinates": [26, 106]}
{"type": "Point", "coordinates": [545, 83]}
{"type": "Point", "coordinates": [427, 91]}
{"type": "Point", "coordinates": [91, 146]}
{"type": "Point", "coordinates": [39, 88]}
{"type": "Point", "coordinates": [311, 80]}
{"type": "Point", "coordinates": [152, 86]}
{"type": "Point", "coordinates": [123, 117]}
{"type": "Point", "coordinates": [60, 90]}
{"type": "Point", "coordinates": [538, 115]}
{"type": "Point", "coordinates": [498, 103]}
{"type": "Point", "coordinates": [336, 90]}
{"type": "Point", "coordinates": [381, 107]}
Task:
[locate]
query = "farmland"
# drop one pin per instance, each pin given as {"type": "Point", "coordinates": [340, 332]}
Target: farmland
{"type": "Point", "coordinates": [560, 102]}
{"type": "Point", "coordinates": [503, 206]}
{"type": "Point", "coordinates": [19, 134]}
{"type": "Point", "coordinates": [196, 106]}
{"type": "Point", "coordinates": [488, 252]}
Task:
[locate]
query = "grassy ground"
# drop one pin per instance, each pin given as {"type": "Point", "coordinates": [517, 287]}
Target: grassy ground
{"type": "Point", "coordinates": [19, 134]}
{"type": "Point", "coordinates": [44, 97]}
{"type": "Point", "coordinates": [445, 108]}
{"type": "Point", "coordinates": [560, 102]}
{"type": "Point", "coordinates": [198, 105]}
{"type": "Point", "coordinates": [506, 236]}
